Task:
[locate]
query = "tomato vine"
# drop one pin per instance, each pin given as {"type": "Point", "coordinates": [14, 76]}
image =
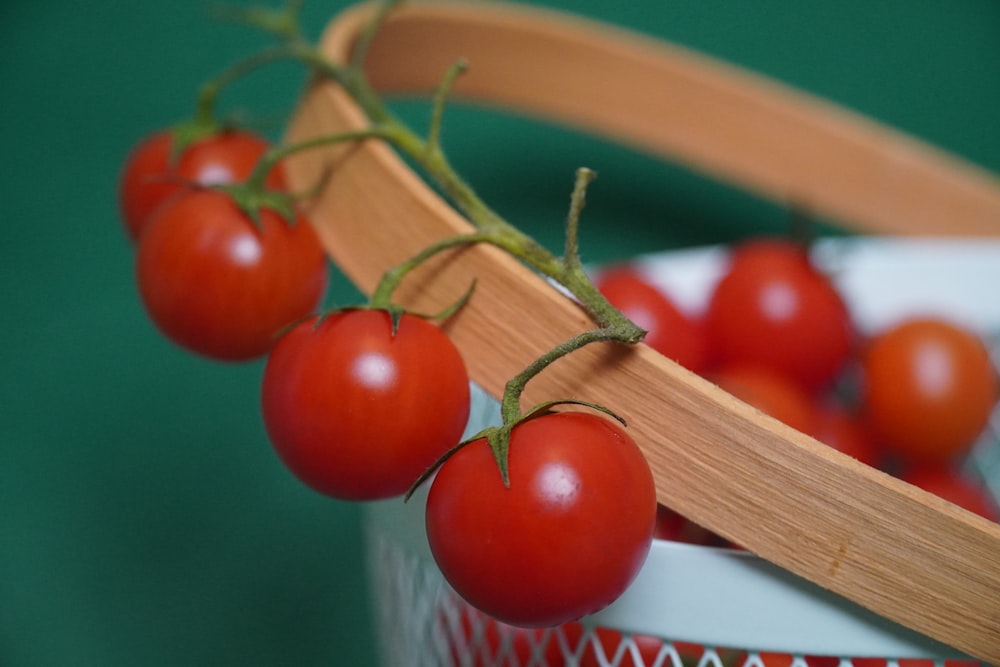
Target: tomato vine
{"type": "Point", "coordinates": [428, 153]}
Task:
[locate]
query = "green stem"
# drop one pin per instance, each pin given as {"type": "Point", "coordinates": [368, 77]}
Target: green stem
{"type": "Point", "coordinates": [276, 154]}
{"type": "Point", "coordinates": [490, 227]}
{"type": "Point", "coordinates": [209, 92]}
{"type": "Point", "coordinates": [571, 256]}
{"type": "Point", "coordinates": [382, 295]}
{"type": "Point", "coordinates": [510, 407]}
{"type": "Point", "coordinates": [440, 101]}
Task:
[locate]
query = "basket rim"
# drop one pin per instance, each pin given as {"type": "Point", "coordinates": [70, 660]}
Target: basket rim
{"type": "Point", "coordinates": [730, 598]}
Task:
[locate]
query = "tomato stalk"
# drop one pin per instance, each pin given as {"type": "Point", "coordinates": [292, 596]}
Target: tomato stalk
{"type": "Point", "coordinates": [427, 152]}
{"type": "Point", "coordinates": [252, 194]}
{"type": "Point", "coordinates": [285, 24]}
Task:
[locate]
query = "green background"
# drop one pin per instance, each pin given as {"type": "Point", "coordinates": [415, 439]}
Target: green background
{"type": "Point", "coordinates": [143, 518]}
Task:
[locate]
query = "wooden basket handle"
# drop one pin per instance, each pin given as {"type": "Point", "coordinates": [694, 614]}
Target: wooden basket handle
{"type": "Point", "coordinates": [900, 552]}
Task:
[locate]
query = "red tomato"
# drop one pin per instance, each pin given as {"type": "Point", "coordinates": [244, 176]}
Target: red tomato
{"type": "Point", "coordinates": [217, 285]}
{"type": "Point", "coordinates": [149, 178]}
{"type": "Point", "coordinates": [929, 387]}
{"type": "Point", "coordinates": [359, 413]}
{"type": "Point", "coordinates": [564, 540]}
{"type": "Point", "coordinates": [668, 331]}
{"type": "Point", "coordinates": [771, 393]}
{"type": "Point", "coordinates": [773, 308]}
{"type": "Point", "coordinates": [954, 487]}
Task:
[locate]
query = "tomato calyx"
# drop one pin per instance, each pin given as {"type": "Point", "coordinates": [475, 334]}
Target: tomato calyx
{"type": "Point", "coordinates": [191, 131]}
{"type": "Point", "coordinates": [252, 197]}
{"type": "Point", "coordinates": [498, 438]}
{"type": "Point", "coordinates": [382, 301]}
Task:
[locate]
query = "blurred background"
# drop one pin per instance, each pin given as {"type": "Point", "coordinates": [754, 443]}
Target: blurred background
{"type": "Point", "coordinates": [144, 519]}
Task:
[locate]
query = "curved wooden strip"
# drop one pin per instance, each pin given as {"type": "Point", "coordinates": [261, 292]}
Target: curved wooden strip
{"type": "Point", "coordinates": [889, 547]}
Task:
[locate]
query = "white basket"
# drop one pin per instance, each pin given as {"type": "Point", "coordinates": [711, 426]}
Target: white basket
{"type": "Point", "coordinates": [739, 608]}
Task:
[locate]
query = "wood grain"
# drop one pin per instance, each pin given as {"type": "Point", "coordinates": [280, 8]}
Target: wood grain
{"type": "Point", "coordinates": [888, 546]}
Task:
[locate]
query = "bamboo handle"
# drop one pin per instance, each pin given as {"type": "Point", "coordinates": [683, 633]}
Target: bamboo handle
{"type": "Point", "coordinates": [883, 544]}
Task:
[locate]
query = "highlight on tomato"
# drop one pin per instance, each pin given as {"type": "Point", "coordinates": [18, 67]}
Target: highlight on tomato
{"type": "Point", "coordinates": [567, 536]}
{"type": "Point", "coordinates": [358, 411]}
{"type": "Point", "coordinates": [219, 285]}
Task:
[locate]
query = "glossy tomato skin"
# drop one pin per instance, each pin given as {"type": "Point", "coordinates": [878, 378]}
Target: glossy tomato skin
{"type": "Point", "coordinates": [151, 175]}
{"type": "Point", "coordinates": [671, 332]}
{"type": "Point", "coordinates": [217, 285]}
{"type": "Point", "coordinates": [359, 413]}
{"type": "Point", "coordinates": [929, 387]}
{"type": "Point", "coordinates": [564, 540]}
{"type": "Point", "coordinates": [773, 308]}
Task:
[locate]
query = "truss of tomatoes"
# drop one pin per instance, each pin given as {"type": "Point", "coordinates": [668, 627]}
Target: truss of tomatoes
{"type": "Point", "coordinates": [911, 399]}
{"type": "Point", "coordinates": [359, 403]}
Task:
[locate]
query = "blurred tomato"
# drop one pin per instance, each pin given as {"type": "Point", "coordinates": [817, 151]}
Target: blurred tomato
{"type": "Point", "coordinates": [846, 432]}
{"type": "Point", "coordinates": [669, 331]}
{"type": "Point", "coordinates": [954, 487]}
{"type": "Point", "coordinates": [773, 308]}
{"type": "Point", "coordinates": [769, 392]}
{"type": "Point", "coordinates": [929, 387]}
{"type": "Point", "coordinates": [152, 174]}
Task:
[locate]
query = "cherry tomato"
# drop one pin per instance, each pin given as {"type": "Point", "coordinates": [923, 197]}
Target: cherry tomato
{"type": "Point", "coordinates": [357, 412]}
{"type": "Point", "coordinates": [928, 389]}
{"type": "Point", "coordinates": [954, 487]}
{"type": "Point", "coordinates": [217, 285]}
{"type": "Point", "coordinates": [151, 177]}
{"type": "Point", "coordinates": [773, 308]}
{"type": "Point", "coordinates": [670, 332]}
{"type": "Point", "coordinates": [564, 540]}
{"type": "Point", "coordinates": [770, 392]}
